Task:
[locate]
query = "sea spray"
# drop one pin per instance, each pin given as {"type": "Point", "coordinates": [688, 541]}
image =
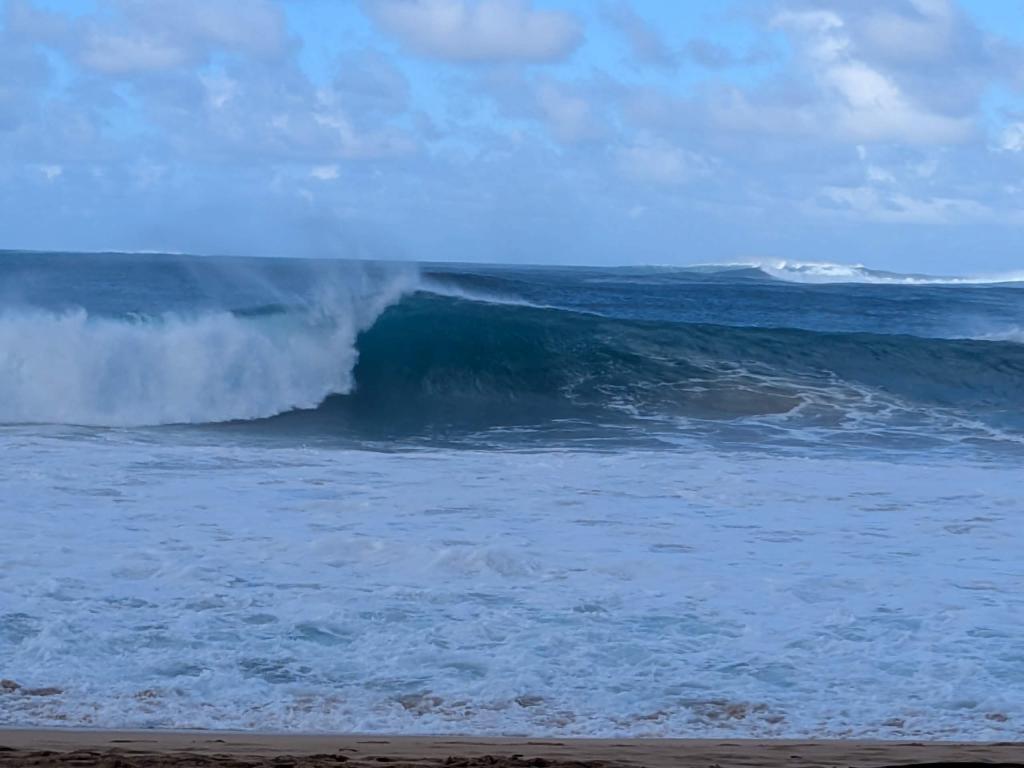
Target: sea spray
{"type": "Point", "coordinates": [76, 367]}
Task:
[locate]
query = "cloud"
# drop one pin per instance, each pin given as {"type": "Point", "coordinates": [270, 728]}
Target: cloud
{"type": "Point", "coordinates": [649, 48]}
{"type": "Point", "coordinates": [478, 30]}
{"type": "Point", "coordinates": [50, 171]}
{"type": "Point", "coordinates": [711, 55]}
{"type": "Point", "coordinates": [657, 162]}
{"type": "Point", "coordinates": [188, 124]}
{"type": "Point", "coordinates": [858, 98]}
{"type": "Point", "coordinates": [324, 172]}
{"type": "Point", "coordinates": [872, 107]}
{"type": "Point", "coordinates": [914, 71]}
{"type": "Point", "coordinates": [570, 115]}
{"type": "Point", "coordinates": [570, 111]}
{"type": "Point", "coordinates": [865, 203]}
{"type": "Point", "coordinates": [646, 44]}
{"type": "Point", "coordinates": [915, 31]}
{"type": "Point", "coordinates": [195, 82]}
{"type": "Point", "coordinates": [249, 113]}
{"type": "Point", "coordinates": [370, 86]}
{"type": "Point", "coordinates": [1012, 138]}
{"type": "Point", "coordinates": [840, 89]}
{"type": "Point", "coordinates": [132, 37]}
{"type": "Point", "coordinates": [122, 53]}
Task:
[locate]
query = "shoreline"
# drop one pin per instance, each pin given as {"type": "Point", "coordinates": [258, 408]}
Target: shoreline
{"type": "Point", "coordinates": [129, 748]}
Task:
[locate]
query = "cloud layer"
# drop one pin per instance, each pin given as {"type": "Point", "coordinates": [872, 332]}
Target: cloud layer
{"type": "Point", "coordinates": [882, 131]}
{"type": "Point", "coordinates": [486, 30]}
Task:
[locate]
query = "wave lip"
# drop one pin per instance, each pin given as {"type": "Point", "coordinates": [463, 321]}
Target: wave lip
{"type": "Point", "coordinates": [1014, 334]}
{"type": "Point", "coordinates": [72, 367]}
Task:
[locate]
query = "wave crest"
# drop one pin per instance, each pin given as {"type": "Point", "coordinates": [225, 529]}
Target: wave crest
{"type": "Point", "coordinates": [826, 272]}
{"type": "Point", "coordinates": [75, 368]}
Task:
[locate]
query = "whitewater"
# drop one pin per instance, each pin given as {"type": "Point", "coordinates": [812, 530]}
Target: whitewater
{"type": "Point", "coordinates": [725, 501]}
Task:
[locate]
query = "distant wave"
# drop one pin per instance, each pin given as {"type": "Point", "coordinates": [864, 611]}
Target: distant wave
{"type": "Point", "coordinates": [1015, 334]}
{"type": "Point", "coordinates": [826, 272]}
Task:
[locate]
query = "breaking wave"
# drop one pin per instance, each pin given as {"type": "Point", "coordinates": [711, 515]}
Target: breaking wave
{"type": "Point", "coordinates": [1015, 334]}
{"type": "Point", "coordinates": [71, 367]}
{"type": "Point", "coordinates": [826, 272]}
{"type": "Point", "coordinates": [402, 351]}
{"type": "Point", "coordinates": [453, 359]}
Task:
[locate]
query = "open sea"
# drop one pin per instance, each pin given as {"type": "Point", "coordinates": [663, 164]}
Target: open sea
{"type": "Point", "coordinates": [316, 495]}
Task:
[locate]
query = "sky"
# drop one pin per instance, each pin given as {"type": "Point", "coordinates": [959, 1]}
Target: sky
{"type": "Point", "coordinates": [888, 133]}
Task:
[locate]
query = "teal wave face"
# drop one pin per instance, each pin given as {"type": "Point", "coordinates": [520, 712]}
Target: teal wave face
{"type": "Point", "coordinates": [434, 364]}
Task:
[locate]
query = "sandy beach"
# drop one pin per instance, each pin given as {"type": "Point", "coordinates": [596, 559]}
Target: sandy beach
{"type": "Point", "coordinates": [41, 747]}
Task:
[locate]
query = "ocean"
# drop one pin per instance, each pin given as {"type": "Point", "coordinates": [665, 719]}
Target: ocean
{"type": "Point", "coordinates": [320, 495]}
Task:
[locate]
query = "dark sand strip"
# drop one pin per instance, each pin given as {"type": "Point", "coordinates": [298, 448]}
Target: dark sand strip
{"type": "Point", "coordinates": [177, 749]}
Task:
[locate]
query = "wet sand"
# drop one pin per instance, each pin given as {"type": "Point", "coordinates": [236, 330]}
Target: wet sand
{"type": "Point", "coordinates": [170, 749]}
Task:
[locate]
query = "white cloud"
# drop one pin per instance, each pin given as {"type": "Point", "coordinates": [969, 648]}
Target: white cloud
{"type": "Point", "coordinates": [324, 172]}
{"type": "Point", "coordinates": [139, 36]}
{"type": "Point", "coordinates": [657, 162]}
{"type": "Point", "coordinates": [926, 33]}
{"type": "Point", "coordinates": [354, 144]}
{"type": "Point", "coordinates": [878, 175]}
{"type": "Point", "coordinates": [478, 30]}
{"type": "Point", "coordinates": [858, 100]}
{"type": "Point", "coordinates": [219, 88]}
{"type": "Point", "coordinates": [867, 203]}
{"type": "Point", "coordinates": [50, 171]}
{"type": "Point", "coordinates": [116, 54]}
{"type": "Point", "coordinates": [569, 115]}
{"type": "Point", "coordinates": [873, 108]}
{"type": "Point", "coordinates": [1012, 138]}
{"type": "Point", "coordinates": [256, 27]}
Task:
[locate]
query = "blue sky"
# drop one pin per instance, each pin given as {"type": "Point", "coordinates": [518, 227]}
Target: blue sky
{"type": "Point", "coordinates": [882, 132]}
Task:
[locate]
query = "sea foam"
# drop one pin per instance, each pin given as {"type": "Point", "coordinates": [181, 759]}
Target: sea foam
{"type": "Point", "coordinates": [73, 367]}
{"type": "Point", "coordinates": [826, 272]}
{"type": "Point", "coordinates": [672, 593]}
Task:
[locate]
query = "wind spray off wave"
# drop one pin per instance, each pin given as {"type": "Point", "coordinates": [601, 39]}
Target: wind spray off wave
{"type": "Point", "coordinates": [76, 367]}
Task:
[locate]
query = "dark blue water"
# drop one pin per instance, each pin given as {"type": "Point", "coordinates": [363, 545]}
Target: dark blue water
{"type": "Point", "coordinates": [389, 354]}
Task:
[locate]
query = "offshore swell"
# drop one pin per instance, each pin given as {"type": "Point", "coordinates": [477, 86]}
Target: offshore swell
{"type": "Point", "coordinates": [729, 501]}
